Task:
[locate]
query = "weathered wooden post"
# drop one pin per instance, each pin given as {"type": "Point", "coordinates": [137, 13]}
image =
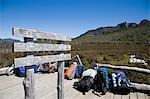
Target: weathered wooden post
{"type": "Point", "coordinates": [60, 79]}
{"type": "Point", "coordinates": [28, 82]}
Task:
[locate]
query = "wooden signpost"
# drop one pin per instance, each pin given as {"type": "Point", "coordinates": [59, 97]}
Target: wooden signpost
{"type": "Point", "coordinates": [29, 46]}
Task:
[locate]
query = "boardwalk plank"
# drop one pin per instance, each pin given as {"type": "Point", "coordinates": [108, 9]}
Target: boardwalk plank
{"type": "Point", "coordinates": [109, 95]}
{"type": "Point", "coordinates": [46, 88]}
{"type": "Point", "coordinates": [125, 97]}
{"type": "Point", "coordinates": [117, 96]}
{"type": "Point", "coordinates": [141, 96]}
{"type": "Point", "coordinates": [68, 90]}
{"type": "Point", "coordinates": [133, 95]}
{"type": "Point", "coordinates": [8, 82]}
{"type": "Point", "coordinates": [147, 97]}
{"type": "Point", "coordinates": [90, 95]}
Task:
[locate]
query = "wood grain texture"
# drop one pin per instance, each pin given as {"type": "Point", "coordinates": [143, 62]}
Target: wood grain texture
{"type": "Point", "coordinates": [116, 96]}
{"type": "Point", "coordinates": [125, 67]}
{"type": "Point", "coordinates": [109, 95]}
{"type": "Point", "coordinates": [24, 47]}
{"type": "Point", "coordinates": [30, 33]}
{"type": "Point", "coordinates": [29, 84]}
{"type": "Point", "coordinates": [125, 96]}
{"type": "Point", "coordinates": [31, 60]}
{"type": "Point", "coordinates": [141, 96]}
{"type": "Point", "coordinates": [133, 95]}
{"type": "Point", "coordinates": [60, 80]}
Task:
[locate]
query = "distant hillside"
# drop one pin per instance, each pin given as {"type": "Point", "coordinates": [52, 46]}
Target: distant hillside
{"type": "Point", "coordinates": [8, 41]}
{"type": "Point", "coordinates": [123, 33]}
{"type": "Point", "coordinates": [6, 45]}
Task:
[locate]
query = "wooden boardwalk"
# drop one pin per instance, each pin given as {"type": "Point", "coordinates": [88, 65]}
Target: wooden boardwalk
{"type": "Point", "coordinates": [45, 85]}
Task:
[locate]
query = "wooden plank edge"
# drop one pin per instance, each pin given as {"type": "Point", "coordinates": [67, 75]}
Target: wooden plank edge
{"type": "Point", "coordinates": [125, 67]}
{"type": "Point", "coordinates": [30, 33]}
{"type": "Point", "coordinates": [30, 46]}
{"type": "Point", "coordinates": [32, 60]}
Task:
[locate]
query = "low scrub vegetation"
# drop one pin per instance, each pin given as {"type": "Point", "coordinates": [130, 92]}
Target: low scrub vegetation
{"type": "Point", "coordinates": [115, 54]}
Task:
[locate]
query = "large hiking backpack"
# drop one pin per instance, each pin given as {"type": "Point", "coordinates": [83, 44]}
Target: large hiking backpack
{"type": "Point", "coordinates": [70, 73]}
{"type": "Point", "coordinates": [85, 84]}
{"type": "Point", "coordinates": [122, 79]}
{"type": "Point", "coordinates": [103, 72]}
{"type": "Point", "coordinates": [122, 83]}
{"type": "Point", "coordinates": [79, 70]}
{"type": "Point", "coordinates": [97, 83]}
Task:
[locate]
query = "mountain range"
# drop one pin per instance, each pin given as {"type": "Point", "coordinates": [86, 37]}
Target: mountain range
{"type": "Point", "coordinates": [122, 33]}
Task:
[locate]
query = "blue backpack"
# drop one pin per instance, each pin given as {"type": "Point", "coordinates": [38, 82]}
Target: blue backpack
{"type": "Point", "coordinates": [123, 85]}
{"type": "Point", "coordinates": [20, 71]}
{"type": "Point", "coordinates": [79, 70]}
{"type": "Point", "coordinates": [104, 78]}
{"type": "Point", "coordinates": [122, 79]}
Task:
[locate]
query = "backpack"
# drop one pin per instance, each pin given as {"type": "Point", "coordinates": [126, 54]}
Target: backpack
{"type": "Point", "coordinates": [121, 79]}
{"type": "Point", "coordinates": [20, 71]}
{"type": "Point", "coordinates": [103, 72]}
{"type": "Point", "coordinates": [89, 72]}
{"type": "Point", "coordinates": [97, 83]}
{"type": "Point", "coordinates": [79, 70]}
{"type": "Point", "coordinates": [44, 68]}
{"type": "Point", "coordinates": [70, 73]}
{"type": "Point", "coordinates": [85, 84]}
{"type": "Point", "coordinates": [122, 83]}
